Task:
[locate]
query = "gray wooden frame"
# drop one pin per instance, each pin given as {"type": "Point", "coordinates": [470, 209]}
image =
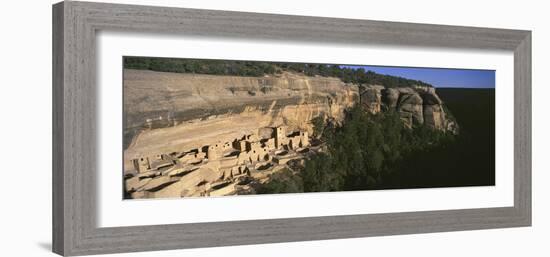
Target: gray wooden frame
{"type": "Point", "coordinates": [74, 129]}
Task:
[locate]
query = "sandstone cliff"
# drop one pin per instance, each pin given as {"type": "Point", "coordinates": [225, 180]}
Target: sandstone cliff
{"type": "Point", "coordinates": [416, 105]}
{"type": "Point", "coordinates": [167, 98]}
{"type": "Point", "coordinates": [167, 112]}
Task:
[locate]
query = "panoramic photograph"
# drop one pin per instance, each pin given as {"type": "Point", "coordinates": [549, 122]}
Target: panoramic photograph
{"type": "Point", "coordinates": [203, 127]}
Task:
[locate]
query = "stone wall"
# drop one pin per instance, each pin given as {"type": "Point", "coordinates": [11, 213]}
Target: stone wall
{"type": "Point", "coordinates": [220, 168]}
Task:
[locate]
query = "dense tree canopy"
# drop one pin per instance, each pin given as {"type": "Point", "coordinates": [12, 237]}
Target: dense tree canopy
{"type": "Point", "coordinates": [365, 152]}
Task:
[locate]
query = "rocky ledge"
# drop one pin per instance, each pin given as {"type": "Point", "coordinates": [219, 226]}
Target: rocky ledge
{"type": "Point", "coordinates": [417, 105]}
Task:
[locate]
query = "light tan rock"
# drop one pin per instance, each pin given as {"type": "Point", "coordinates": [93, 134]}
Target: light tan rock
{"type": "Point", "coordinates": [416, 105]}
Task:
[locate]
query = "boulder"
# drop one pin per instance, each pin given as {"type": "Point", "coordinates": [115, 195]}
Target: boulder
{"type": "Point", "coordinates": [371, 100]}
{"type": "Point", "coordinates": [434, 117]}
{"type": "Point", "coordinates": [416, 105]}
{"type": "Point", "coordinates": [431, 99]}
{"type": "Point", "coordinates": [411, 103]}
{"type": "Point", "coordinates": [390, 97]}
{"type": "Point", "coordinates": [406, 90]}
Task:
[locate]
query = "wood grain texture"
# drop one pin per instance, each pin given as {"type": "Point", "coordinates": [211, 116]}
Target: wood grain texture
{"type": "Point", "coordinates": [58, 230]}
{"type": "Point", "coordinates": [74, 124]}
{"type": "Point", "coordinates": [522, 128]}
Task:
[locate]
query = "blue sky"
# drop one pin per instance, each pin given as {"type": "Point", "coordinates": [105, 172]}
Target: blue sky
{"type": "Point", "coordinates": [438, 77]}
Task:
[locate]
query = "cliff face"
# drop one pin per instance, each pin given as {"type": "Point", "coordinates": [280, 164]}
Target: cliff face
{"type": "Point", "coordinates": [195, 135]}
{"type": "Point", "coordinates": [165, 99]}
{"type": "Point", "coordinates": [167, 112]}
{"type": "Point", "coordinates": [416, 105]}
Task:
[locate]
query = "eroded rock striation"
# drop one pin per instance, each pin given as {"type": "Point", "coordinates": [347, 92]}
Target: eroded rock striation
{"type": "Point", "coordinates": [162, 99]}
{"type": "Point", "coordinates": [416, 105]}
{"type": "Point", "coordinates": [177, 118]}
{"type": "Point", "coordinates": [192, 135]}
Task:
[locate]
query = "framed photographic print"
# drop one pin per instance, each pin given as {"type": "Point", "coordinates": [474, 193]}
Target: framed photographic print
{"type": "Point", "coordinates": [182, 128]}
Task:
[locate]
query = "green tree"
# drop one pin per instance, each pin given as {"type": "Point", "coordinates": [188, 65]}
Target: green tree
{"type": "Point", "coordinates": [318, 125]}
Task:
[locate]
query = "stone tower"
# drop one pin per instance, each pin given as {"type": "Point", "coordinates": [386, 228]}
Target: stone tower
{"type": "Point", "coordinates": [213, 152]}
{"type": "Point", "coordinates": [141, 164]}
{"type": "Point", "coordinates": [280, 137]}
{"type": "Point", "coordinates": [305, 138]}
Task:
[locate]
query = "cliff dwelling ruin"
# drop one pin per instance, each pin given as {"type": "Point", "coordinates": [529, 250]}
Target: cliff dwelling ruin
{"type": "Point", "coordinates": [190, 135]}
{"type": "Point", "coordinates": [221, 168]}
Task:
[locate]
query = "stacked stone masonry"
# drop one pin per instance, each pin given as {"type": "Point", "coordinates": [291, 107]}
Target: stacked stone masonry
{"type": "Point", "coordinates": [221, 168]}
